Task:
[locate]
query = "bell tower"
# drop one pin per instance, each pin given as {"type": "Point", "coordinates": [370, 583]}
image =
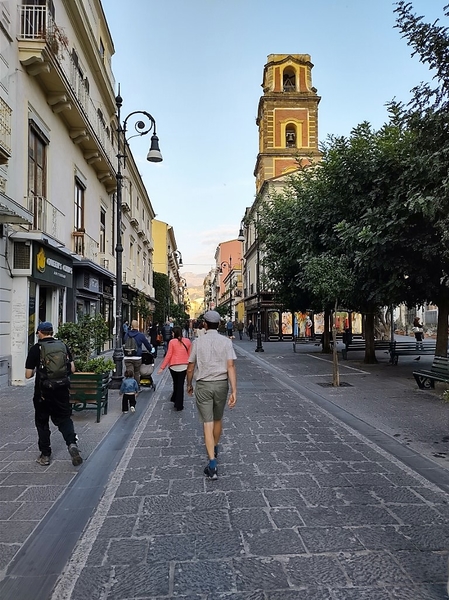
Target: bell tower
{"type": "Point", "coordinates": [287, 117]}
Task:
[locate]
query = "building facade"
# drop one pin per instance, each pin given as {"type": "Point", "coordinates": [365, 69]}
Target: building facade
{"type": "Point", "coordinates": [167, 260]}
{"type": "Point", "coordinates": [226, 280]}
{"type": "Point", "coordinates": [58, 149]}
{"type": "Point", "coordinates": [287, 119]}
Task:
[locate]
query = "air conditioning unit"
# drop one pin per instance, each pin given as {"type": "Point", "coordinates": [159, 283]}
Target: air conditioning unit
{"type": "Point", "coordinates": [22, 254]}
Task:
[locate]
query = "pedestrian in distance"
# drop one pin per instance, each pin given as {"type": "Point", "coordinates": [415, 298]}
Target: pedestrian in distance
{"type": "Point", "coordinates": [153, 332]}
{"type": "Point", "coordinates": [129, 390]}
{"type": "Point", "coordinates": [51, 362]}
{"type": "Point", "coordinates": [240, 328]}
{"type": "Point", "coordinates": [230, 329]}
{"type": "Point", "coordinates": [125, 328]}
{"type": "Point", "coordinates": [134, 340]}
{"type": "Point", "coordinates": [250, 330]}
{"type": "Point", "coordinates": [213, 357]}
{"type": "Point", "coordinates": [418, 330]}
{"type": "Point", "coordinates": [167, 334]}
{"type": "Point", "coordinates": [177, 359]}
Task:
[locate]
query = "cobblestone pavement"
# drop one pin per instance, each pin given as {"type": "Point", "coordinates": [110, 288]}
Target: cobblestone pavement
{"type": "Point", "coordinates": [308, 504]}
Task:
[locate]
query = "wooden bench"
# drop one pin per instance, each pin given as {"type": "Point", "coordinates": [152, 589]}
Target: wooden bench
{"type": "Point", "coordinates": [410, 348]}
{"type": "Point", "coordinates": [438, 372]}
{"type": "Point", "coordinates": [89, 391]}
{"type": "Point", "coordinates": [360, 346]}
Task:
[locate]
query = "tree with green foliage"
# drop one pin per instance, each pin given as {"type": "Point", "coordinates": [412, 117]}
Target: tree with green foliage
{"type": "Point", "coordinates": [427, 118]}
{"type": "Point", "coordinates": [330, 279]}
{"type": "Point", "coordinates": [161, 294]}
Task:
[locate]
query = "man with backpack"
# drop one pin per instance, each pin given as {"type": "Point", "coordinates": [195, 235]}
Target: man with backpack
{"type": "Point", "coordinates": [132, 349]}
{"type": "Point", "coordinates": [51, 361]}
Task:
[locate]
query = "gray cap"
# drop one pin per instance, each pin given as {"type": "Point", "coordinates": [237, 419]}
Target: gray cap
{"type": "Point", "coordinates": [212, 316]}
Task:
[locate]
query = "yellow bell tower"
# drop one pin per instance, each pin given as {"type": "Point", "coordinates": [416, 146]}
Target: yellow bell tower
{"type": "Point", "coordinates": [287, 117]}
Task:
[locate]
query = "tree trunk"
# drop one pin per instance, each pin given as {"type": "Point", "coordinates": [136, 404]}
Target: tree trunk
{"type": "Point", "coordinates": [335, 372]}
{"type": "Point", "coordinates": [326, 347]}
{"type": "Point", "coordinates": [370, 354]}
{"type": "Point", "coordinates": [442, 327]}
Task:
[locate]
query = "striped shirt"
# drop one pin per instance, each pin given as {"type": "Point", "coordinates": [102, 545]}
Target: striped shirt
{"type": "Point", "coordinates": [211, 353]}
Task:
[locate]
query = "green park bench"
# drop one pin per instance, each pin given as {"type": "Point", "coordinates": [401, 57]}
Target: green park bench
{"type": "Point", "coordinates": [438, 372]}
{"type": "Point", "coordinates": [410, 348]}
{"type": "Point", "coordinates": [359, 345]}
{"type": "Point", "coordinates": [89, 391]}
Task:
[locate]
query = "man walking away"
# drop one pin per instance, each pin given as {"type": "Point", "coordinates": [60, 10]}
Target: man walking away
{"type": "Point", "coordinates": [51, 361]}
{"type": "Point", "coordinates": [213, 355]}
{"type": "Point", "coordinates": [240, 328]}
{"type": "Point", "coordinates": [230, 328]}
{"type": "Point", "coordinates": [134, 340]}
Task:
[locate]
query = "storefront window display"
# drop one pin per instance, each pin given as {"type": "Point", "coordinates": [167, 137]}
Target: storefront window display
{"type": "Point", "coordinates": [273, 322]}
{"type": "Point", "coordinates": [287, 328]}
{"type": "Point", "coordinates": [304, 324]}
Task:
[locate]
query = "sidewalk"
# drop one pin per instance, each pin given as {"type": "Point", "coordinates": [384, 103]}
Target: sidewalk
{"type": "Point", "coordinates": [312, 501]}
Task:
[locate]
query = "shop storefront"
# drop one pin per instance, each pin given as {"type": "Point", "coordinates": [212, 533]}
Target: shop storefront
{"type": "Point", "coordinates": [92, 293]}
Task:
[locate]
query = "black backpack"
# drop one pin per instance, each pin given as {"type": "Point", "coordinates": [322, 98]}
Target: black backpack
{"type": "Point", "coordinates": [130, 348]}
{"type": "Point", "coordinates": [53, 363]}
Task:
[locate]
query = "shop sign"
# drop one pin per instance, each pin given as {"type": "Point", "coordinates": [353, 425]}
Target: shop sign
{"type": "Point", "coordinates": [51, 267]}
{"type": "Point", "coordinates": [107, 289]}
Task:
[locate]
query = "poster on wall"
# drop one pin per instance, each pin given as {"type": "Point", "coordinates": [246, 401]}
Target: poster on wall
{"type": "Point", "coordinates": [273, 322]}
{"type": "Point", "coordinates": [287, 328]}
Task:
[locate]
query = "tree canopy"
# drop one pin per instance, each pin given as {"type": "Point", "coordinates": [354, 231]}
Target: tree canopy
{"type": "Point", "coordinates": [377, 203]}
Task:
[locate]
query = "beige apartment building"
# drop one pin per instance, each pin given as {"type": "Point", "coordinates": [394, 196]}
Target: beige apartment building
{"type": "Point", "coordinates": [58, 163]}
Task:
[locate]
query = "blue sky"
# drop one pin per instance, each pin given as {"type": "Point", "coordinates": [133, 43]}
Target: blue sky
{"type": "Point", "coordinates": [197, 65]}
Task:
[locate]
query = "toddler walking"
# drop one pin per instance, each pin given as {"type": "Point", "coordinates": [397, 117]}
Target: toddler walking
{"type": "Point", "coordinates": [129, 389]}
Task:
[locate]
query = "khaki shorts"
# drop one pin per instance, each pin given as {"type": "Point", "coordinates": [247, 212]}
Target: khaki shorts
{"type": "Point", "coordinates": [211, 399]}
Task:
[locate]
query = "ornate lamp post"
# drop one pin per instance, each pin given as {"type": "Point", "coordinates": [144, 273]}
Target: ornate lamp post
{"type": "Point", "coordinates": [154, 155]}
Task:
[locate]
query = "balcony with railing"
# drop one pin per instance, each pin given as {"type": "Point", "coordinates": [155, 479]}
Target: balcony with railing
{"type": "Point", "coordinates": [46, 217]}
{"type": "Point", "coordinates": [84, 245]}
{"type": "Point", "coordinates": [5, 132]}
{"type": "Point", "coordinates": [44, 52]}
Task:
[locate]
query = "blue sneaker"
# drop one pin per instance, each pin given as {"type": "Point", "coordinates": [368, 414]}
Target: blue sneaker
{"type": "Point", "coordinates": [210, 473]}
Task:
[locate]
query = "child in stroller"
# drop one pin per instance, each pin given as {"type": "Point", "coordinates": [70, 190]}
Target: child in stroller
{"type": "Point", "coordinates": [146, 370]}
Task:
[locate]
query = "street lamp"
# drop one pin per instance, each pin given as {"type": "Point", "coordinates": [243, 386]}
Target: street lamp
{"type": "Point", "coordinates": [154, 155]}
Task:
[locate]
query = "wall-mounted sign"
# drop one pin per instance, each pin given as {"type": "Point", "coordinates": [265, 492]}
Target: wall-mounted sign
{"type": "Point", "coordinates": [51, 267]}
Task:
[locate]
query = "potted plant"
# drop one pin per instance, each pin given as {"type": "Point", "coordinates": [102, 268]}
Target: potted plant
{"type": "Point", "coordinates": [89, 384]}
{"type": "Point", "coordinates": [84, 338]}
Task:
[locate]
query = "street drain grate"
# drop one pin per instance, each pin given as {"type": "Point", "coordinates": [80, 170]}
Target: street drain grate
{"type": "Point", "coordinates": [342, 384]}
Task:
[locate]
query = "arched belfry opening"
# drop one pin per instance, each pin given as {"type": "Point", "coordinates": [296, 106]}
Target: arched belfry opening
{"type": "Point", "coordinates": [290, 136]}
{"type": "Point", "coordinates": [289, 80]}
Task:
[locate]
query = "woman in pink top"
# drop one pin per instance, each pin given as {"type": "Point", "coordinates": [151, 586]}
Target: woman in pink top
{"type": "Point", "coordinates": [177, 359]}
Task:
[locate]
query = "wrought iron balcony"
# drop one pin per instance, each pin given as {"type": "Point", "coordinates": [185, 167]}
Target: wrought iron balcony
{"type": "Point", "coordinates": [46, 217]}
{"type": "Point", "coordinates": [45, 54]}
{"type": "Point", "coordinates": [5, 132]}
{"type": "Point", "coordinates": [84, 245]}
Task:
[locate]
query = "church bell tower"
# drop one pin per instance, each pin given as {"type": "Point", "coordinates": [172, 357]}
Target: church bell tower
{"type": "Point", "coordinates": [287, 117]}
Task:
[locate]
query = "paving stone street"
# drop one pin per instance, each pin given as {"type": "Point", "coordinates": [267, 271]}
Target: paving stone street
{"type": "Point", "coordinates": [323, 493]}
